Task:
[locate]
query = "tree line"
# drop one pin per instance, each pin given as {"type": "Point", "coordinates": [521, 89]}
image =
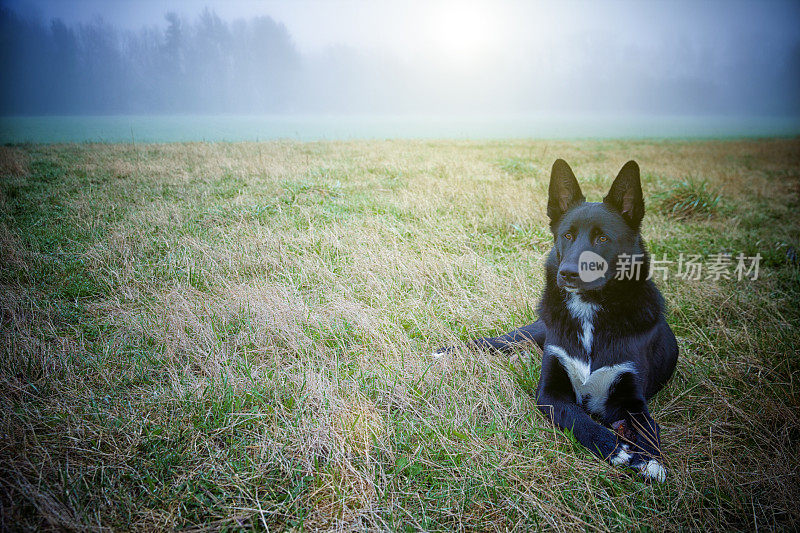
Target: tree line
{"type": "Point", "coordinates": [206, 64]}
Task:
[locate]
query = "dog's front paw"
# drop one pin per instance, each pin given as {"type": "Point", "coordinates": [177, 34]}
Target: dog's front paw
{"type": "Point", "coordinates": [651, 470]}
{"type": "Point", "coordinates": [622, 455]}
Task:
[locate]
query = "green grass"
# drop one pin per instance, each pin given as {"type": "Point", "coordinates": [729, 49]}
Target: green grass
{"type": "Point", "coordinates": [234, 336]}
{"type": "Point", "coordinates": [689, 198]}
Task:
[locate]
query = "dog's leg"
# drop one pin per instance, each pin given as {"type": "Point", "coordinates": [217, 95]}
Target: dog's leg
{"type": "Point", "coordinates": [530, 334]}
{"type": "Point", "coordinates": [626, 411]}
{"type": "Point", "coordinates": [555, 397]}
{"type": "Point", "coordinates": [596, 438]}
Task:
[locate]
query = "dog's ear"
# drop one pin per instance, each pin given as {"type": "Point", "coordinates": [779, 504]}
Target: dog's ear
{"type": "Point", "coordinates": [625, 195]}
{"type": "Point", "coordinates": [565, 192]}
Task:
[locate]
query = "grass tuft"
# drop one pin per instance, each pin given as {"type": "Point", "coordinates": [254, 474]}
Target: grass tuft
{"type": "Point", "coordinates": [687, 199]}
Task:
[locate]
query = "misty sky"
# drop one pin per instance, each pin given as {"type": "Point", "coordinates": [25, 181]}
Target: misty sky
{"type": "Point", "coordinates": [657, 57]}
{"type": "Point", "coordinates": [408, 27]}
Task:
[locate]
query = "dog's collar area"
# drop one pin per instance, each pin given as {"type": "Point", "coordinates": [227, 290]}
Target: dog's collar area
{"type": "Point", "coordinates": [581, 309]}
{"type": "Point", "coordinates": [584, 313]}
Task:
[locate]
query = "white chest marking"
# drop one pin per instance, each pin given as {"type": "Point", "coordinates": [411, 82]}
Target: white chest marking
{"type": "Point", "coordinates": [584, 313]}
{"type": "Point", "coordinates": [592, 386]}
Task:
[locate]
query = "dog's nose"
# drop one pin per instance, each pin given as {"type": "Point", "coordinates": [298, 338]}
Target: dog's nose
{"type": "Point", "coordinates": [568, 274]}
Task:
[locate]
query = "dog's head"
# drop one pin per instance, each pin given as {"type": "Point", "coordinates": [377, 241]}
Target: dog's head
{"type": "Point", "coordinates": [590, 237]}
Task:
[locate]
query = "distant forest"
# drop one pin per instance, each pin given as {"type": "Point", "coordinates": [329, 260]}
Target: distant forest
{"type": "Point", "coordinates": [94, 68]}
{"type": "Point", "coordinates": [209, 65]}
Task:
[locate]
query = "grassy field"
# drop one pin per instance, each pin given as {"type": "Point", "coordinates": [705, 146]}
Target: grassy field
{"type": "Point", "coordinates": [234, 336]}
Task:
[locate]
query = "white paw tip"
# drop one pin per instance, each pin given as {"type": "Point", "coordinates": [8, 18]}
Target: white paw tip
{"type": "Point", "coordinates": [653, 470]}
{"type": "Point", "coordinates": [437, 355]}
{"type": "Point", "coordinates": [622, 456]}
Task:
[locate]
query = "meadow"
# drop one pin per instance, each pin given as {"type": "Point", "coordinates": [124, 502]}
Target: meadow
{"type": "Point", "coordinates": [228, 336]}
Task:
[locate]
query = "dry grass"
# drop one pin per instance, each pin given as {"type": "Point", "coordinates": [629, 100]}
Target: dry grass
{"type": "Point", "coordinates": [225, 336]}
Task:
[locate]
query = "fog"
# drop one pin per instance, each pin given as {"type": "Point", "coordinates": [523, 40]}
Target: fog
{"type": "Point", "coordinates": [425, 58]}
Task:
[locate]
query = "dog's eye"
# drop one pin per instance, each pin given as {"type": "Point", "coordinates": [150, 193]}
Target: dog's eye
{"type": "Point", "coordinates": [602, 238]}
{"type": "Point", "coordinates": [568, 236]}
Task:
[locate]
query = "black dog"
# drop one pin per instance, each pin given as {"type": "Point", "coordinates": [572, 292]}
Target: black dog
{"type": "Point", "coordinates": [607, 348]}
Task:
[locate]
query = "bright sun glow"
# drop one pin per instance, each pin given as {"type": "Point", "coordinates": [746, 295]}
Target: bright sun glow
{"type": "Point", "coordinates": [462, 31]}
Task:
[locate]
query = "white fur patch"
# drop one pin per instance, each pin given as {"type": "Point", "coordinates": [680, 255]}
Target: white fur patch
{"type": "Point", "coordinates": [622, 457]}
{"type": "Point", "coordinates": [652, 469]}
{"type": "Point", "coordinates": [587, 337]}
{"type": "Point", "coordinates": [585, 382]}
{"type": "Point", "coordinates": [580, 309]}
{"type": "Point", "coordinates": [584, 312]}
